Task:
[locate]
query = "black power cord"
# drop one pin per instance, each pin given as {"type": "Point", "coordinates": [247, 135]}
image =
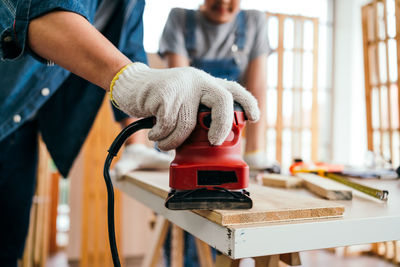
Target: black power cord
{"type": "Point", "coordinates": [146, 123]}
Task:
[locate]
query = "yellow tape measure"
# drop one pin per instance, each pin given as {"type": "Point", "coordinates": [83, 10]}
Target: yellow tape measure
{"type": "Point", "coordinates": [380, 194]}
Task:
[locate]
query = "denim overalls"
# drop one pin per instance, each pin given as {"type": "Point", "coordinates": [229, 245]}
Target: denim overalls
{"type": "Point", "coordinates": [226, 68]}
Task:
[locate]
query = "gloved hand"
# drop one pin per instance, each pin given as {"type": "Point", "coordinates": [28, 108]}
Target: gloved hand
{"type": "Point", "coordinates": [173, 97]}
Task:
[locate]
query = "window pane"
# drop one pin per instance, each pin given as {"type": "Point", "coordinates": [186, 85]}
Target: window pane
{"type": "Point", "coordinates": [308, 35]}
{"type": "Point", "coordinates": [306, 145]}
{"type": "Point", "coordinates": [307, 105]}
{"type": "Point", "coordinates": [287, 108]}
{"type": "Point", "coordinates": [382, 62]}
{"type": "Point", "coordinates": [286, 148]}
{"type": "Point", "coordinates": [271, 107]}
{"type": "Point", "coordinates": [384, 108]}
{"type": "Point", "coordinates": [391, 26]}
{"type": "Point", "coordinates": [307, 70]}
{"type": "Point", "coordinates": [297, 108]}
{"type": "Point", "coordinates": [377, 141]}
{"type": "Point", "coordinates": [392, 60]}
{"type": "Point", "coordinates": [272, 74]}
{"type": "Point", "coordinates": [288, 69]}
{"type": "Point", "coordinates": [273, 31]}
{"type": "Point", "coordinates": [386, 146]}
{"type": "Point", "coordinates": [288, 34]}
{"type": "Point", "coordinates": [375, 108]}
{"type": "Point", "coordinates": [271, 144]}
{"type": "Point", "coordinates": [394, 106]}
{"type": "Point", "coordinates": [396, 149]}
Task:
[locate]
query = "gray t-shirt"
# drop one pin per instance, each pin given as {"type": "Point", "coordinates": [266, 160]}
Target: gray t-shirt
{"type": "Point", "coordinates": [215, 41]}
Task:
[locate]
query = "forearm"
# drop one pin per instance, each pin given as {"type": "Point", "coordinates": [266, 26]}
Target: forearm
{"type": "Point", "coordinates": [70, 41]}
{"type": "Point", "coordinates": [175, 60]}
{"type": "Point", "coordinates": [256, 83]}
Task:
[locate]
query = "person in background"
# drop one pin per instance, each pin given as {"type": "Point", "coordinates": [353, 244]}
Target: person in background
{"type": "Point", "coordinates": [228, 43]}
{"type": "Point", "coordinates": [47, 99]}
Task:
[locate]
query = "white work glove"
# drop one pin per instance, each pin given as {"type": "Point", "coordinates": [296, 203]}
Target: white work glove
{"type": "Point", "coordinates": [173, 97]}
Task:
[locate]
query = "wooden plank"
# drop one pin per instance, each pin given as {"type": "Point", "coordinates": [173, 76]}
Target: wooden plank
{"type": "Point", "coordinates": [388, 89]}
{"type": "Point", "coordinates": [267, 261]}
{"type": "Point", "coordinates": [397, 13]}
{"type": "Point", "coordinates": [314, 113]}
{"type": "Point", "coordinates": [177, 246]}
{"type": "Point", "coordinates": [279, 180]}
{"type": "Point", "coordinates": [203, 253]}
{"type": "Point", "coordinates": [269, 204]}
{"type": "Point", "coordinates": [378, 73]}
{"type": "Point", "coordinates": [160, 232]}
{"type": "Point", "coordinates": [279, 123]}
{"type": "Point", "coordinates": [224, 261]}
{"type": "Point", "coordinates": [325, 188]}
{"type": "Point", "coordinates": [292, 259]}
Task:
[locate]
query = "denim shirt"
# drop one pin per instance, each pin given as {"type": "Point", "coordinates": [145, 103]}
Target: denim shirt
{"type": "Point", "coordinates": [30, 88]}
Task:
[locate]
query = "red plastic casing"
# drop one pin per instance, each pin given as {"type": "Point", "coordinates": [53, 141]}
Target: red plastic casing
{"type": "Point", "coordinates": [196, 154]}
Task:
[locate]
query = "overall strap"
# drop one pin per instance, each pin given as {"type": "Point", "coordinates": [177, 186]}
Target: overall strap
{"type": "Point", "coordinates": [240, 35]}
{"type": "Point", "coordinates": [190, 26]}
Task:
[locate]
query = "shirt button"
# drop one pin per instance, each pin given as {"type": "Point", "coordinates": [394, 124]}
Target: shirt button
{"type": "Point", "coordinates": [17, 118]}
{"type": "Point", "coordinates": [45, 91]}
{"type": "Point", "coordinates": [234, 48]}
{"type": "Point", "coordinates": [7, 39]}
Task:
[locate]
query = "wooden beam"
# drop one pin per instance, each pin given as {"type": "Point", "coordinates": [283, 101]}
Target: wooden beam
{"type": "Point", "coordinates": [388, 89]}
{"type": "Point", "coordinates": [203, 253]}
{"type": "Point", "coordinates": [152, 257]}
{"type": "Point", "coordinates": [279, 180]}
{"type": "Point", "coordinates": [325, 188]}
{"type": "Point", "coordinates": [279, 123]}
{"type": "Point", "coordinates": [314, 111]}
{"type": "Point", "coordinates": [367, 77]}
{"type": "Point", "coordinates": [177, 246]}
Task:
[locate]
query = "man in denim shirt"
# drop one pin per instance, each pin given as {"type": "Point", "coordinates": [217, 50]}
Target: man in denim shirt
{"type": "Point", "coordinates": [48, 99]}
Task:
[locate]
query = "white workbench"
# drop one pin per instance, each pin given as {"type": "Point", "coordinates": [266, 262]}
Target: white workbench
{"type": "Point", "coordinates": [364, 221]}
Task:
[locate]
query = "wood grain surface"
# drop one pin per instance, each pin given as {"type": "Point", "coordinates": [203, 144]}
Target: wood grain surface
{"type": "Point", "coordinates": [325, 187]}
{"type": "Point", "coordinates": [269, 204]}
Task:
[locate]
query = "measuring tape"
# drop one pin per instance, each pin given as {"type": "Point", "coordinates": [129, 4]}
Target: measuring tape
{"type": "Point", "coordinates": [330, 171]}
{"type": "Point", "coordinates": [380, 194]}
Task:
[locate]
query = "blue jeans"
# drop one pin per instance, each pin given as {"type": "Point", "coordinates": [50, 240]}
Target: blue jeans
{"type": "Point", "coordinates": [18, 164]}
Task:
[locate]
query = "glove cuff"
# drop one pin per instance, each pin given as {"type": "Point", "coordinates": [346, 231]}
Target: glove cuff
{"type": "Point", "coordinates": [132, 67]}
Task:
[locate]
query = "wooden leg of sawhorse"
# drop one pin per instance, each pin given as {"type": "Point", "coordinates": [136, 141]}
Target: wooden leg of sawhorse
{"type": "Point", "coordinates": [204, 253]}
{"type": "Point", "coordinates": [177, 245]}
{"type": "Point", "coordinates": [292, 259]}
{"type": "Point", "coordinates": [160, 232]}
{"type": "Point", "coordinates": [224, 261]}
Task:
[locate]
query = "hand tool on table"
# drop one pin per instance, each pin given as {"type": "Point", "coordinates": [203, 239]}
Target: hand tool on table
{"type": "Point", "coordinates": [335, 172]}
{"type": "Point", "coordinates": [202, 176]}
{"type": "Point", "coordinates": [210, 177]}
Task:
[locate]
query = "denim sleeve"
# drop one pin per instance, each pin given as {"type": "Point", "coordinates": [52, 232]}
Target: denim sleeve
{"type": "Point", "coordinates": [15, 16]}
{"type": "Point", "coordinates": [130, 40]}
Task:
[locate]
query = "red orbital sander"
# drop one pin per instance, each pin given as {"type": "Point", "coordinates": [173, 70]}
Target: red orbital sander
{"type": "Point", "coordinates": [209, 177]}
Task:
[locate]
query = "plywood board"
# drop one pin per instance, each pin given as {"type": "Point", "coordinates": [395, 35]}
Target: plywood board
{"type": "Point", "coordinates": [279, 180]}
{"type": "Point", "coordinates": [326, 188]}
{"type": "Point", "coordinates": [270, 204]}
